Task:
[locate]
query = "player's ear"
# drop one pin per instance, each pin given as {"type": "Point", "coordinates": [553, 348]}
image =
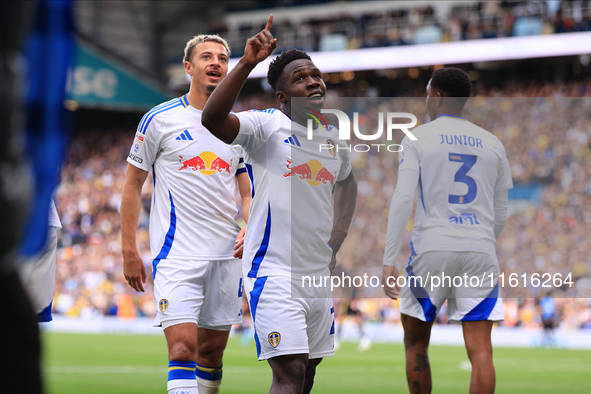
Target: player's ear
{"type": "Point", "coordinates": [281, 96]}
{"type": "Point", "coordinates": [438, 99]}
{"type": "Point", "coordinates": [189, 68]}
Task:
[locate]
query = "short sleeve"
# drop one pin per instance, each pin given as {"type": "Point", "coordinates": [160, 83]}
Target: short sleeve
{"type": "Point", "coordinates": [504, 178]}
{"type": "Point", "coordinates": [346, 167]}
{"type": "Point", "coordinates": [409, 156]}
{"type": "Point", "coordinates": [241, 166]}
{"type": "Point", "coordinates": [255, 129]}
{"type": "Point", "coordinates": [145, 147]}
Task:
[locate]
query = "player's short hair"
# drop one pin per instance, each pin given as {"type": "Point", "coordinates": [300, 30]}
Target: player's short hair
{"type": "Point", "coordinates": [193, 42]}
{"type": "Point", "coordinates": [276, 67]}
{"type": "Point", "coordinates": [452, 81]}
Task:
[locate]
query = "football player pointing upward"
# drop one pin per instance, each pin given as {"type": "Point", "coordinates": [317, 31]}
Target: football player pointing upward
{"type": "Point", "coordinates": [197, 280]}
{"type": "Point", "coordinates": [292, 231]}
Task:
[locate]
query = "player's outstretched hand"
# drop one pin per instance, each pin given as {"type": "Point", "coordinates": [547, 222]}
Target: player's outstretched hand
{"type": "Point", "coordinates": [239, 244]}
{"type": "Point", "coordinates": [389, 280]}
{"type": "Point", "coordinates": [134, 271]}
{"type": "Point", "coordinates": [259, 47]}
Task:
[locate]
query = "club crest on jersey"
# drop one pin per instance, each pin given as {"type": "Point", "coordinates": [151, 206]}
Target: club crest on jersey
{"type": "Point", "coordinates": [331, 147]}
{"type": "Point", "coordinates": [274, 338]}
{"type": "Point", "coordinates": [163, 305]}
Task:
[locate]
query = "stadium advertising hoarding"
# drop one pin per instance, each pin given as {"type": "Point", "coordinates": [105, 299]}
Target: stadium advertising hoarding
{"type": "Point", "coordinates": [541, 250]}
{"type": "Point", "coordinates": [99, 82]}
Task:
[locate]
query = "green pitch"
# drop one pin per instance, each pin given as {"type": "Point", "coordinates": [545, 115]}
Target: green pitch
{"type": "Point", "coordinates": [126, 364]}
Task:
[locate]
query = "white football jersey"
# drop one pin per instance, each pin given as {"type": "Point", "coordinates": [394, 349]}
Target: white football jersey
{"type": "Point", "coordinates": [460, 166]}
{"type": "Point", "coordinates": [292, 181]}
{"type": "Point", "coordinates": [195, 198]}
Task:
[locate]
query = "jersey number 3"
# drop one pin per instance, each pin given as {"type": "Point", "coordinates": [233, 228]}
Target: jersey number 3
{"type": "Point", "coordinates": [462, 177]}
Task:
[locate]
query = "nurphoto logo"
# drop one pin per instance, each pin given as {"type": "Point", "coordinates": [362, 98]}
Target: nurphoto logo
{"type": "Point", "coordinates": [345, 129]}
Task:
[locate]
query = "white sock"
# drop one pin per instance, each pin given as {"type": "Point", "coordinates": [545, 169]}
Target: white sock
{"type": "Point", "coordinates": [184, 390]}
{"type": "Point", "coordinates": [209, 380]}
{"type": "Point", "coordinates": [209, 386]}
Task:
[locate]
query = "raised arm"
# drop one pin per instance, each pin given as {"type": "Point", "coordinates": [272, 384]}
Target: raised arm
{"type": "Point", "coordinates": [216, 115]}
{"type": "Point", "coordinates": [133, 265]}
{"type": "Point", "coordinates": [345, 197]}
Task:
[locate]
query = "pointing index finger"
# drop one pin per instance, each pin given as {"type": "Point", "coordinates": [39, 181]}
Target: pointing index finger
{"type": "Point", "coordinates": [269, 23]}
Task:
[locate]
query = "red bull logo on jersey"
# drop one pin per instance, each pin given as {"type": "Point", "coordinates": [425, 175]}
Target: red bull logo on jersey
{"type": "Point", "coordinates": [207, 163]}
{"type": "Point", "coordinates": [313, 172]}
{"type": "Point", "coordinates": [274, 338]}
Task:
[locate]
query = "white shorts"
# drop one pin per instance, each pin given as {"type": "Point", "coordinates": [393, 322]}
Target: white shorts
{"type": "Point", "coordinates": [285, 325]}
{"type": "Point", "coordinates": [475, 300]}
{"type": "Point", "coordinates": [207, 293]}
{"type": "Point", "coordinates": [38, 277]}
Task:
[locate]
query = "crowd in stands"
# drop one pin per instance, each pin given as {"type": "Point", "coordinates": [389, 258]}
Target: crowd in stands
{"type": "Point", "coordinates": [420, 24]}
{"type": "Point", "coordinates": [89, 278]}
{"type": "Point", "coordinates": [548, 143]}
